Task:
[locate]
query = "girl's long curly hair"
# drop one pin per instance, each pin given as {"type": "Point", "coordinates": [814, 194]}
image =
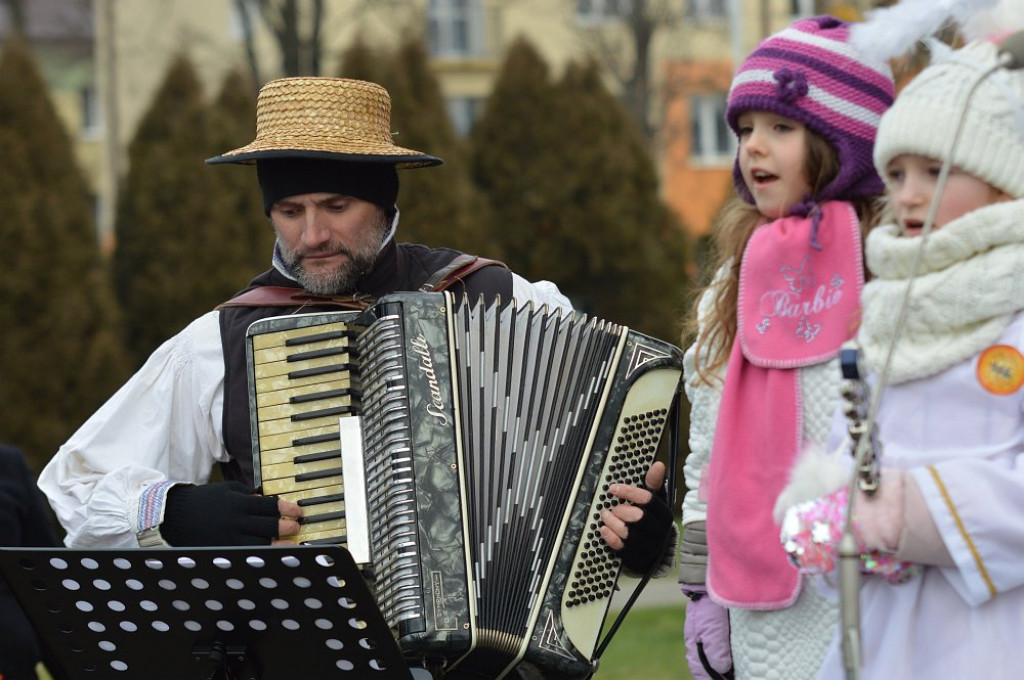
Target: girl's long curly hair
{"type": "Point", "coordinates": [735, 224]}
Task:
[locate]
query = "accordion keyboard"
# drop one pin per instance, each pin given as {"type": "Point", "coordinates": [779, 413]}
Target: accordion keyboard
{"type": "Point", "coordinates": [305, 380]}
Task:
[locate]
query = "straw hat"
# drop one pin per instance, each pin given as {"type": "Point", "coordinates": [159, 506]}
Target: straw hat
{"type": "Point", "coordinates": [329, 118]}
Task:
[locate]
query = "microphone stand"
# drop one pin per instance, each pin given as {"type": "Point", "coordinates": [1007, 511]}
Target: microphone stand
{"type": "Point", "coordinates": [865, 449]}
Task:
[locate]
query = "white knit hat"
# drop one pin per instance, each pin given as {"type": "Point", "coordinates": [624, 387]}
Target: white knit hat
{"type": "Point", "coordinates": [924, 117]}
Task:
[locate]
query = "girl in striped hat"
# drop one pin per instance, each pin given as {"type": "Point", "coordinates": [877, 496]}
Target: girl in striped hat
{"type": "Point", "coordinates": [762, 374]}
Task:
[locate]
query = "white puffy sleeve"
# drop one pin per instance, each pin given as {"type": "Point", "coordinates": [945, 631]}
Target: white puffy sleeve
{"type": "Point", "coordinates": [164, 424]}
{"type": "Point", "coordinates": [539, 292]}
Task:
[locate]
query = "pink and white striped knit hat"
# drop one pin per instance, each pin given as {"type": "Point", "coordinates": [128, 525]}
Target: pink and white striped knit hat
{"type": "Point", "coordinates": [811, 73]}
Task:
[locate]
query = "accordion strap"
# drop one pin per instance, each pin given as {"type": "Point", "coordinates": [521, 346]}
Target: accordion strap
{"type": "Point", "coordinates": [283, 296]}
{"type": "Point", "coordinates": [456, 270]}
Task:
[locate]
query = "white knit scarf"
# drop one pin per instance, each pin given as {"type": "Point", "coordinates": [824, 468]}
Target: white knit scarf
{"type": "Point", "coordinates": [970, 283]}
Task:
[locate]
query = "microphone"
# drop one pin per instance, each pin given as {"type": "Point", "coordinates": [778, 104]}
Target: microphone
{"type": "Point", "coordinates": [1011, 52]}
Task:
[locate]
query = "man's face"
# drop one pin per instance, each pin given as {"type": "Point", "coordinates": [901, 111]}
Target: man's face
{"type": "Point", "coordinates": [328, 240]}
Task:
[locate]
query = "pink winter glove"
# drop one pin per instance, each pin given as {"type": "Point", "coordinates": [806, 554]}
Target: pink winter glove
{"type": "Point", "coordinates": [708, 650]}
{"type": "Point", "coordinates": [811, 532]}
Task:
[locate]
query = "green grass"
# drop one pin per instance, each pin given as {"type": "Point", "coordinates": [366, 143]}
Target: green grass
{"type": "Point", "coordinates": [649, 645]}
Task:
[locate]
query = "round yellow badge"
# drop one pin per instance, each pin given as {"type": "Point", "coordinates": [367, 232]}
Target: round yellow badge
{"type": "Point", "coordinates": [1001, 369]}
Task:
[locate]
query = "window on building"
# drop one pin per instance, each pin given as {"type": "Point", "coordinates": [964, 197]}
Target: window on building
{"type": "Point", "coordinates": [243, 13]}
{"type": "Point", "coordinates": [456, 28]}
{"type": "Point", "coordinates": [601, 11]}
{"type": "Point", "coordinates": [464, 112]}
{"type": "Point", "coordinates": [802, 8]}
{"type": "Point", "coordinates": [89, 110]}
{"type": "Point", "coordinates": [713, 141]}
{"type": "Point", "coordinates": [706, 10]}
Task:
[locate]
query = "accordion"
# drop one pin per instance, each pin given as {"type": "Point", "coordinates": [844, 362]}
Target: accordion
{"type": "Point", "coordinates": [462, 452]}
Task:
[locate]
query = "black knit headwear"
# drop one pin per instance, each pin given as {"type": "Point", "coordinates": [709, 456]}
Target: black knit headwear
{"type": "Point", "coordinates": [283, 177]}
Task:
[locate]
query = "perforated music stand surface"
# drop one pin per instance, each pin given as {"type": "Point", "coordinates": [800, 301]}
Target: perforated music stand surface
{"type": "Point", "coordinates": [268, 613]}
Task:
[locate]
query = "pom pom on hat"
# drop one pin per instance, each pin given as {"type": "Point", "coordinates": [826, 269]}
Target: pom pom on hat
{"type": "Point", "coordinates": [811, 73]}
{"type": "Point", "coordinates": [925, 115]}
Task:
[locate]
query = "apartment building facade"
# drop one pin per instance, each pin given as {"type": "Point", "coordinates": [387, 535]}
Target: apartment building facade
{"type": "Point", "coordinates": [122, 49]}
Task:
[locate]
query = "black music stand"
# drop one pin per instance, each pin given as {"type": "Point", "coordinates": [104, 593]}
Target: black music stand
{"type": "Point", "coordinates": [267, 613]}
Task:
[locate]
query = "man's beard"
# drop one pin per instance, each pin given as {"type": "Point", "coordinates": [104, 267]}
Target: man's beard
{"type": "Point", "coordinates": [360, 258]}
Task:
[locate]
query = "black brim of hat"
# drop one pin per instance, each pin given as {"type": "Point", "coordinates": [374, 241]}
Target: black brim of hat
{"type": "Point", "coordinates": [400, 160]}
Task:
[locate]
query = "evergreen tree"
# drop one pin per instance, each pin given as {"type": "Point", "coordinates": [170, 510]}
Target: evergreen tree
{"type": "Point", "coordinates": [439, 206]}
{"type": "Point", "coordinates": [60, 352]}
{"type": "Point", "coordinates": [178, 254]}
{"type": "Point", "coordinates": [630, 253]}
{"type": "Point", "coordinates": [362, 62]}
{"type": "Point", "coordinates": [568, 174]}
{"type": "Point", "coordinates": [234, 125]}
{"type": "Point", "coordinates": [513, 161]}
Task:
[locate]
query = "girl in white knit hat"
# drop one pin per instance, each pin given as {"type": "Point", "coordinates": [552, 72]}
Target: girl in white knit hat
{"type": "Point", "coordinates": [947, 520]}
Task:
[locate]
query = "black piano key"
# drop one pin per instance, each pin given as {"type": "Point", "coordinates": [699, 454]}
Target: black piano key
{"type": "Point", "coordinates": [326, 394]}
{"type": "Point", "coordinates": [334, 540]}
{"type": "Point", "coordinates": [320, 337]}
{"type": "Point", "coordinates": [319, 353]}
{"type": "Point", "coordinates": [320, 413]}
{"type": "Point", "coordinates": [322, 370]}
{"type": "Point", "coordinates": [315, 439]}
{"type": "Point", "coordinates": [322, 517]}
{"type": "Point", "coordinates": [318, 500]}
{"type": "Point", "coordinates": [313, 457]}
{"type": "Point", "coordinates": [319, 474]}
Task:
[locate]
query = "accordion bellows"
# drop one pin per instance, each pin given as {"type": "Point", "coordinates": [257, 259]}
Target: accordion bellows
{"type": "Point", "coordinates": [463, 453]}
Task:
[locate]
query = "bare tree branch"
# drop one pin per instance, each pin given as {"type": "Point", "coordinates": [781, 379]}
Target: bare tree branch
{"type": "Point", "coordinates": [315, 46]}
{"type": "Point", "coordinates": [624, 48]}
{"type": "Point", "coordinates": [16, 12]}
{"type": "Point", "coordinates": [248, 36]}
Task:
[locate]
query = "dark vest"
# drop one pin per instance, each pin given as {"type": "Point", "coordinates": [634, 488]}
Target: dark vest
{"type": "Point", "coordinates": [401, 267]}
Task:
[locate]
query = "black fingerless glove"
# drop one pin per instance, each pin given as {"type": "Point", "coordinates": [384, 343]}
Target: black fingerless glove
{"type": "Point", "coordinates": [649, 536]}
{"type": "Point", "coordinates": [223, 513]}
